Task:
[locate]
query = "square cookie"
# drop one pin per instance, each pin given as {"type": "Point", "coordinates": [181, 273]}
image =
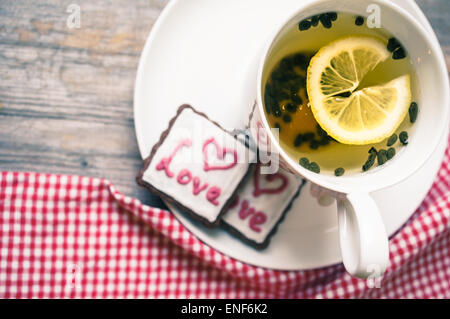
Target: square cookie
{"type": "Point", "coordinates": [197, 166]}
{"type": "Point", "coordinates": [260, 204]}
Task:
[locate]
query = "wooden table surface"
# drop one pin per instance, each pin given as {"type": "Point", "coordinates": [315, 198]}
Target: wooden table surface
{"type": "Point", "coordinates": [66, 95]}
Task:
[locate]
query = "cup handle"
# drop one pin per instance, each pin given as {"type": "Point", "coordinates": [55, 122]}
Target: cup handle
{"type": "Point", "coordinates": [362, 236]}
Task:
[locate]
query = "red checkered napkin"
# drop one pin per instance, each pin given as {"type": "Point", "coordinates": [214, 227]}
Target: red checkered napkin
{"type": "Point", "coordinates": [78, 237]}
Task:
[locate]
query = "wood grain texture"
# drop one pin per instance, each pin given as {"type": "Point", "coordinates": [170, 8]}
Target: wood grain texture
{"type": "Point", "coordinates": [66, 95]}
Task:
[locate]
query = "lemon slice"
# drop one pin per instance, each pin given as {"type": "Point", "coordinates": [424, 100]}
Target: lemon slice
{"type": "Point", "coordinates": [351, 115]}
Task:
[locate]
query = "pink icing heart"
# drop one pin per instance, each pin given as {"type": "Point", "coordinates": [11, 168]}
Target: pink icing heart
{"type": "Point", "coordinates": [221, 153]}
{"type": "Point", "coordinates": [257, 220]}
{"type": "Point", "coordinates": [276, 189]}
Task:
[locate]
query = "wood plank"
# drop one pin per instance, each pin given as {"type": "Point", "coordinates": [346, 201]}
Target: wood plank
{"type": "Point", "coordinates": [67, 94]}
{"type": "Point", "coordinates": [437, 12]}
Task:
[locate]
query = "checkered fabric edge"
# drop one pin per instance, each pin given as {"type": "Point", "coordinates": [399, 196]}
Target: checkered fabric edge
{"type": "Point", "coordinates": [78, 237]}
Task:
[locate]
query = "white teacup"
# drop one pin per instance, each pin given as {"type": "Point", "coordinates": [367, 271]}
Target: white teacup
{"type": "Point", "coordinates": [363, 239]}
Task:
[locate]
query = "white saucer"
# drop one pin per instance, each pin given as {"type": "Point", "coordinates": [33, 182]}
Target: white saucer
{"type": "Point", "coordinates": [204, 52]}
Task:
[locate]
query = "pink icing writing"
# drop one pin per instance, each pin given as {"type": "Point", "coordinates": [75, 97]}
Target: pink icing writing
{"type": "Point", "coordinates": [212, 195]}
{"type": "Point", "coordinates": [270, 178]}
{"type": "Point", "coordinates": [184, 177]}
{"type": "Point", "coordinates": [197, 189]}
{"type": "Point", "coordinates": [257, 220]}
{"type": "Point", "coordinates": [165, 162]}
{"type": "Point", "coordinates": [245, 210]}
{"type": "Point", "coordinates": [234, 203]}
{"type": "Point", "coordinates": [221, 152]}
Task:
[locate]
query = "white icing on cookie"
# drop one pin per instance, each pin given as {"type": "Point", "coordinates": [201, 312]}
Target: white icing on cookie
{"type": "Point", "coordinates": [260, 203]}
{"type": "Point", "coordinates": [199, 165]}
